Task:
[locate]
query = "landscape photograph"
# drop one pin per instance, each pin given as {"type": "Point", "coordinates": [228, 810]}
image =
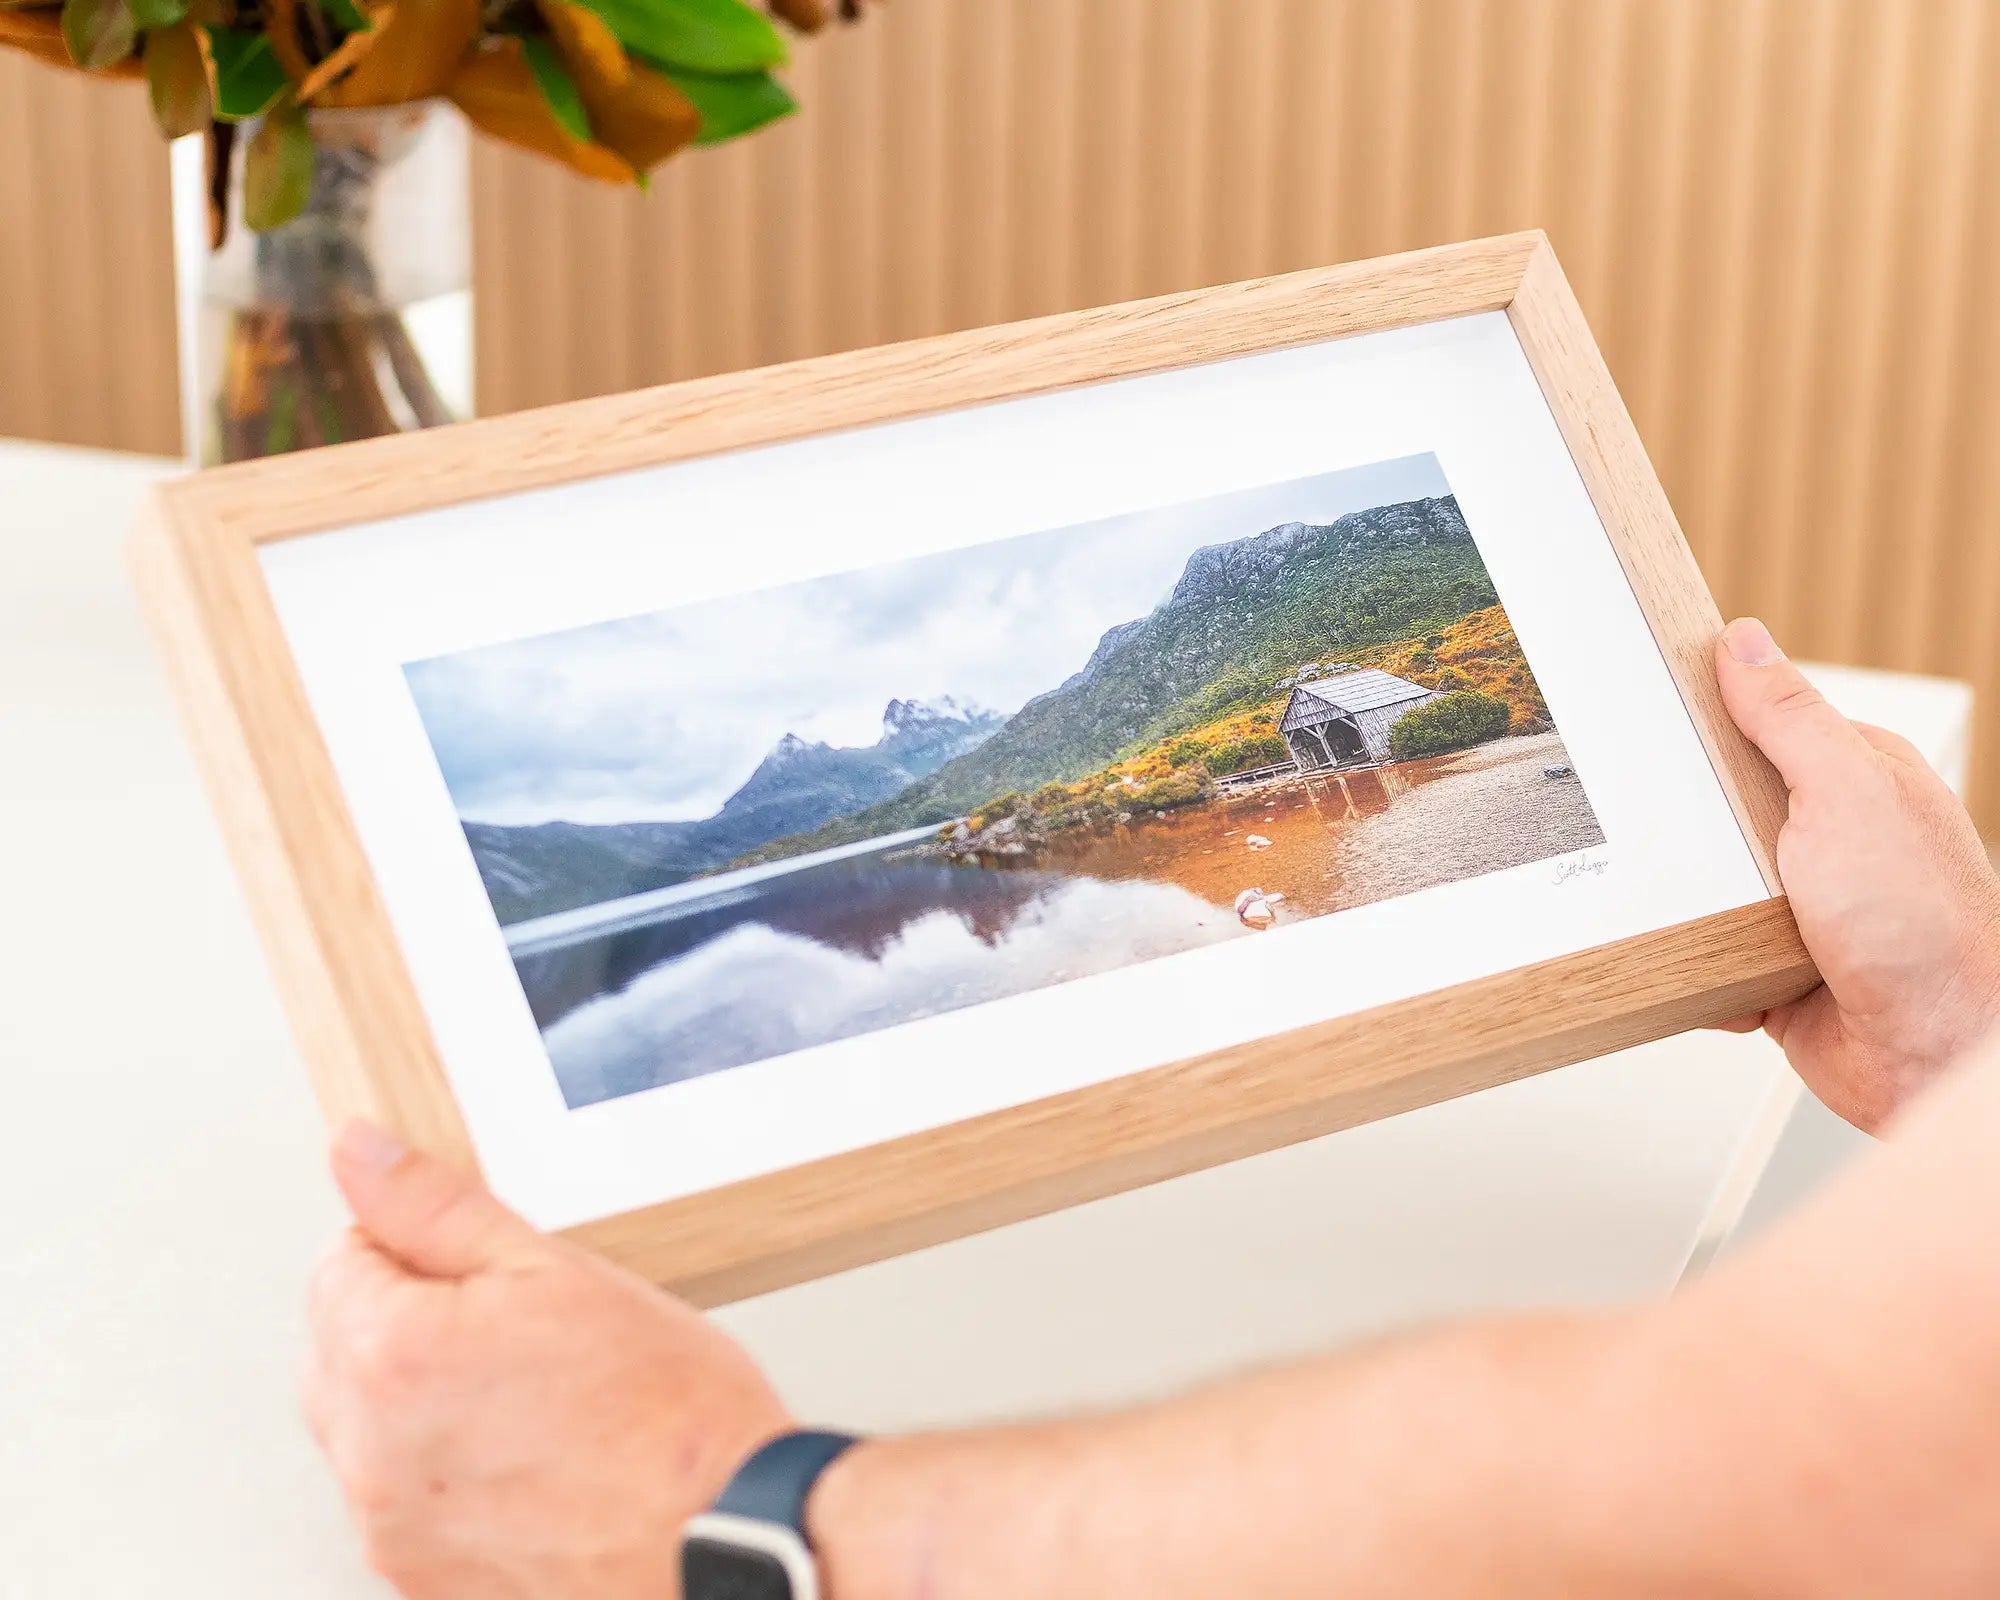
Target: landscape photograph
{"type": "Point", "coordinates": [743, 827]}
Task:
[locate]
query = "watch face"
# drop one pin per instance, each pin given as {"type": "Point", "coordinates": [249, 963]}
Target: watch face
{"type": "Point", "coordinates": [712, 1571]}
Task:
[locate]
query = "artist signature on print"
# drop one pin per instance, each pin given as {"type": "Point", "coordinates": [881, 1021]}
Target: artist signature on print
{"type": "Point", "coordinates": [1580, 865]}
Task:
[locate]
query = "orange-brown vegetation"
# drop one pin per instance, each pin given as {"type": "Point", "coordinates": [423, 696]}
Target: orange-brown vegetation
{"type": "Point", "coordinates": [1479, 651]}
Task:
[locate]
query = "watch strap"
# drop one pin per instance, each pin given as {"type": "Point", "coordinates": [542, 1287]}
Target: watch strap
{"type": "Point", "coordinates": [773, 1484]}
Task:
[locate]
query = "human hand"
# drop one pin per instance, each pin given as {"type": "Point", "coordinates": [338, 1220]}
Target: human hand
{"type": "Point", "coordinates": [1893, 891]}
{"type": "Point", "coordinates": [507, 1413]}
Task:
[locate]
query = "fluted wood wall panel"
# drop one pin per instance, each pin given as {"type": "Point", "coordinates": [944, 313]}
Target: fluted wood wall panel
{"type": "Point", "coordinates": [86, 264]}
{"type": "Point", "coordinates": [1782, 216]}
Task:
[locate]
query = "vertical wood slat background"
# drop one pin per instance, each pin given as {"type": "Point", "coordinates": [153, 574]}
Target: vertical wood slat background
{"type": "Point", "coordinates": [86, 264]}
{"type": "Point", "coordinates": [1781, 217]}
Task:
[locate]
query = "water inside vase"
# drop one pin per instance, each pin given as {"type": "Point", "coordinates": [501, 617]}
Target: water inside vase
{"type": "Point", "coordinates": [287, 381]}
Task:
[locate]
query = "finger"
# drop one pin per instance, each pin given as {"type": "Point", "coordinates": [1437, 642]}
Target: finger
{"type": "Point", "coordinates": [1778, 1020]}
{"type": "Point", "coordinates": [349, 1286]}
{"type": "Point", "coordinates": [1811, 744]}
{"type": "Point", "coordinates": [1891, 744]}
{"type": "Point", "coordinates": [1749, 1024]}
{"type": "Point", "coordinates": [429, 1216]}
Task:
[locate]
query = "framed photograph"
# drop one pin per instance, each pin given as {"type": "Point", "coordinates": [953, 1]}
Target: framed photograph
{"type": "Point", "coordinates": [788, 818]}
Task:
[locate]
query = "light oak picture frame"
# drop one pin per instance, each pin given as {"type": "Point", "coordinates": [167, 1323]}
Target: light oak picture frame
{"type": "Point", "coordinates": [356, 1012]}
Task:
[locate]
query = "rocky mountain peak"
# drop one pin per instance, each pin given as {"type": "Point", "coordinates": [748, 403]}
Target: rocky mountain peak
{"type": "Point", "coordinates": [790, 748]}
{"type": "Point", "coordinates": [921, 735]}
{"type": "Point", "coordinates": [1223, 569]}
{"type": "Point", "coordinates": [1238, 569]}
{"type": "Point", "coordinates": [805, 778]}
{"type": "Point", "coordinates": [903, 716]}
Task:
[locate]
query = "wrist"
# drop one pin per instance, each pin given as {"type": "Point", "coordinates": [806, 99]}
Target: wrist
{"type": "Point", "coordinates": [755, 1536]}
{"type": "Point", "coordinates": [1000, 1511]}
{"type": "Point", "coordinates": [865, 1519]}
{"type": "Point", "coordinates": [723, 1456]}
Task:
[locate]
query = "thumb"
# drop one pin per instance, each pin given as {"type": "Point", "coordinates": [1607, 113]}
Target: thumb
{"type": "Point", "coordinates": [440, 1222]}
{"type": "Point", "coordinates": [1809, 742]}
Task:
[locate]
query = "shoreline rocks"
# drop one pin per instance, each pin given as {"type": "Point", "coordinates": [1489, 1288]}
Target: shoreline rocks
{"type": "Point", "coordinates": [1256, 909]}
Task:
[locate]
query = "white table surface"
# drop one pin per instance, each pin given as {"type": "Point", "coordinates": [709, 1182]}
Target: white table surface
{"type": "Point", "coordinates": [161, 1175]}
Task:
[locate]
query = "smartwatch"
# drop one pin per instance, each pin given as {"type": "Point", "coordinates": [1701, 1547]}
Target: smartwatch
{"type": "Point", "coordinates": [751, 1544]}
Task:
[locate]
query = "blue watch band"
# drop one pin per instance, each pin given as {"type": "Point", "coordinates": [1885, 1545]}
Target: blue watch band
{"type": "Point", "coordinates": [773, 1484]}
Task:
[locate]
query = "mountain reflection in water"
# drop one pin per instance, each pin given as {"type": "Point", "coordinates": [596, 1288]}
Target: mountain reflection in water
{"type": "Point", "coordinates": [844, 947]}
{"type": "Point", "coordinates": [834, 950]}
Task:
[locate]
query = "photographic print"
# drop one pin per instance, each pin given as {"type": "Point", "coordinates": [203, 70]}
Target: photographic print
{"type": "Point", "coordinates": [743, 827]}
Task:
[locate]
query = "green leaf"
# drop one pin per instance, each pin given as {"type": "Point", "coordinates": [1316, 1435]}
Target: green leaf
{"type": "Point", "coordinates": [99, 33]}
{"type": "Point", "coordinates": [347, 15]}
{"type": "Point", "coordinates": [248, 79]}
{"type": "Point", "coordinates": [281, 432]}
{"type": "Point", "coordinates": [712, 36]}
{"type": "Point", "coordinates": [177, 81]}
{"type": "Point", "coordinates": [732, 105]}
{"type": "Point", "coordinates": [151, 14]}
{"type": "Point", "coordinates": [278, 170]}
{"type": "Point", "coordinates": [327, 415]}
{"type": "Point", "coordinates": [557, 86]}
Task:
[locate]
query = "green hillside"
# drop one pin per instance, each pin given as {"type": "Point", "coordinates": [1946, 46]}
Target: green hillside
{"type": "Point", "coordinates": [1243, 615]}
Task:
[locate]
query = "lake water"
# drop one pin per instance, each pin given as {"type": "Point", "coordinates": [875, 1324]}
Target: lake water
{"type": "Point", "coordinates": [845, 947]}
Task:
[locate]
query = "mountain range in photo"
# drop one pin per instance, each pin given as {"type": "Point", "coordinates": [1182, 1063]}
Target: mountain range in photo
{"type": "Point", "coordinates": [554, 866]}
{"type": "Point", "coordinates": [1242, 614]}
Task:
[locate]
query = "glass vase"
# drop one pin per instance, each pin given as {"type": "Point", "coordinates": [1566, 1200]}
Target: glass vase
{"type": "Point", "coordinates": [355, 318]}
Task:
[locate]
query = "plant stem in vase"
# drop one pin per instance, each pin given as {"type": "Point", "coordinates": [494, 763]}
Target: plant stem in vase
{"type": "Point", "coordinates": [354, 318]}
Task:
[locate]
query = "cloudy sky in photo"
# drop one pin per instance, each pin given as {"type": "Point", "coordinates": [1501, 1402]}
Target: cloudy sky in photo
{"type": "Point", "coordinates": [663, 716]}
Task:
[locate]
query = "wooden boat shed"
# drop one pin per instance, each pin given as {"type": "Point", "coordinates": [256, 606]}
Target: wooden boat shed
{"type": "Point", "coordinates": [1343, 720]}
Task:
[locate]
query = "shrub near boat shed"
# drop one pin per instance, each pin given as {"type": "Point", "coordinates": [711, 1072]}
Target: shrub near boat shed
{"type": "Point", "coordinates": [1264, 751]}
{"type": "Point", "coordinates": [1450, 722]}
{"type": "Point", "coordinates": [1176, 789]}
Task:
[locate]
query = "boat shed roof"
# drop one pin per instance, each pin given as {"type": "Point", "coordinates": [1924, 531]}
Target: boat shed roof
{"type": "Point", "coordinates": [1344, 693]}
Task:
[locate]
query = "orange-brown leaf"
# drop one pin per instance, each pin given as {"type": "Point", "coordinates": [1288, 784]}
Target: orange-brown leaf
{"type": "Point", "coordinates": [419, 50]}
{"type": "Point", "coordinates": [634, 111]}
{"type": "Point", "coordinates": [808, 16]}
{"type": "Point", "coordinates": [497, 91]}
{"type": "Point", "coordinates": [588, 45]}
{"type": "Point", "coordinates": [282, 28]}
{"type": "Point", "coordinates": [645, 119]}
{"type": "Point", "coordinates": [346, 55]}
